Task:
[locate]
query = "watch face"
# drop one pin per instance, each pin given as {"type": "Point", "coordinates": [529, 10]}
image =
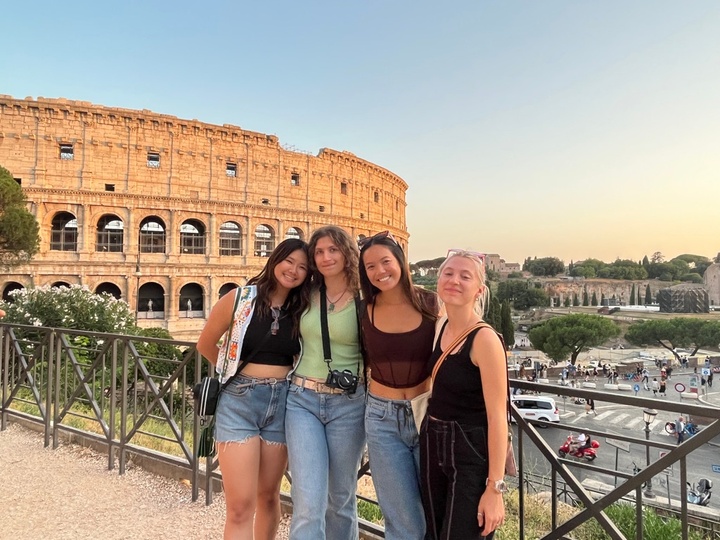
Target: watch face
{"type": "Point", "coordinates": [501, 486]}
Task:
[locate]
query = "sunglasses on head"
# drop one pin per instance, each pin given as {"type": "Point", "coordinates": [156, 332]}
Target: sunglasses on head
{"type": "Point", "coordinates": [379, 236]}
{"type": "Point", "coordinates": [464, 253]}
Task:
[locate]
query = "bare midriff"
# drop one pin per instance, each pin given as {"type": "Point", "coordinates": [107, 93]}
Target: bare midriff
{"type": "Point", "coordinates": [261, 371]}
{"type": "Point", "coordinates": [388, 392]}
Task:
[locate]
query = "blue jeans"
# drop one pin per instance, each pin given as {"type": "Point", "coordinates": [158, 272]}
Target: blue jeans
{"type": "Point", "coordinates": [325, 438]}
{"type": "Point", "coordinates": [394, 448]}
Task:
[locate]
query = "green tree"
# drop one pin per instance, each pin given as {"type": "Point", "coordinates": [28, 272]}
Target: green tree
{"type": "Point", "coordinates": [493, 314]}
{"type": "Point", "coordinates": [569, 335]}
{"type": "Point", "coordinates": [632, 295]}
{"type": "Point", "coordinates": [586, 299]}
{"type": "Point", "coordinates": [594, 300]}
{"type": "Point", "coordinates": [508, 329]}
{"type": "Point", "coordinates": [19, 230]}
{"type": "Point", "coordinates": [676, 332]}
{"type": "Point", "coordinates": [576, 300]}
{"type": "Point", "coordinates": [566, 301]}
{"type": "Point", "coordinates": [546, 266]}
{"type": "Point", "coordinates": [648, 295]}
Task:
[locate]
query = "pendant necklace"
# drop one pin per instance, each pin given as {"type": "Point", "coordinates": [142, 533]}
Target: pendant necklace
{"type": "Point", "coordinates": [331, 303]}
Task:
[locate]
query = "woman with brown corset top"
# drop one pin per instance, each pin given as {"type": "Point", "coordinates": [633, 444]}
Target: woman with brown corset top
{"type": "Point", "coordinates": [398, 327]}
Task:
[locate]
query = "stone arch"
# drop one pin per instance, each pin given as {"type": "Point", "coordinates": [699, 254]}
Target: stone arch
{"type": "Point", "coordinates": [110, 234]}
{"type": "Point", "coordinates": [152, 235]}
{"type": "Point", "coordinates": [294, 232]}
{"type": "Point", "coordinates": [264, 240]}
{"type": "Point", "coordinates": [64, 232]}
{"type": "Point", "coordinates": [61, 284]}
{"type": "Point", "coordinates": [226, 288]}
{"type": "Point", "coordinates": [151, 301]}
{"type": "Point", "coordinates": [191, 301]}
{"type": "Point", "coordinates": [192, 237]}
{"type": "Point", "coordinates": [8, 288]}
{"type": "Point", "coordinates": [230, 239]}
{"type": "Point", "coordinates": [110, 288]}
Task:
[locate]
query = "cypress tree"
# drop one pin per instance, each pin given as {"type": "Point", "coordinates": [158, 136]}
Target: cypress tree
{"type": "Point", "coordinates": [508, 330]}
{"type": "Point", "coordinates": [576, 300]}
{"type": "Point", "coordinates": [594, 299]}
{"type": "Point", "coordinates": [632, 296]}
{"type": "Point", "coordinates": [648, 295]}
{"type": "Point", "coordinates": [586, 301]}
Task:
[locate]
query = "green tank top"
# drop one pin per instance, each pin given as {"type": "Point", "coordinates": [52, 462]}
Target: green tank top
{"type": "Point", "coordinates": [344, 341]}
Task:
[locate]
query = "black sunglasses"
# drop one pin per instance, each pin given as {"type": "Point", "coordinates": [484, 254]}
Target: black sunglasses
{"type": "Point", "coordinates": [379, 236]}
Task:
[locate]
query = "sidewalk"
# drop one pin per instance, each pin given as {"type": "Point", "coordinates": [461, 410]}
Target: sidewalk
{"type": "Point", "coordinates": [68, 493]}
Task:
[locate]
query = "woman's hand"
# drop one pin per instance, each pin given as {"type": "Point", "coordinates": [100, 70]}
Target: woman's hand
{"type": "Point", "coordinates": [491, 511]}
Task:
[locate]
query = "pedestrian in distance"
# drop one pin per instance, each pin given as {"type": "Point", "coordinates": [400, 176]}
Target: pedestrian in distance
{"type": "Point", "coordinates": [680, 429]}
{"type": "Point", "coordinates": [590, 406]}
{"type": "Point", "coordinates": [398, 329]}
{"type": "Point", "coordinates": [710, 379]}
{"type": "Point", "coordinates": [261, 325]}
{"type": "Point", "coordinates": [662, 388]}
{"type": "Point", "coordinates": [655, 386]}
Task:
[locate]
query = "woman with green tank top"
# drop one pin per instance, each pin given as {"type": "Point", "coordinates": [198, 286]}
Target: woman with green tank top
{"type": "Point", "coordinates": [324, 421]}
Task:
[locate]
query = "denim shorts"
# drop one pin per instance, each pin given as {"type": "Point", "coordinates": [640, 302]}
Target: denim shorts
{"type": "Point", "coordinates": [250, 407]}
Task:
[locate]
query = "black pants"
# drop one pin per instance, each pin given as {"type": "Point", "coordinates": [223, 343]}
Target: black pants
{"type": "Point", "coordinates": [454, 469]}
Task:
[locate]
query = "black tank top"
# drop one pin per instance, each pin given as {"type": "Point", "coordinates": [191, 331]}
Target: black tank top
{"type": "Point", "coordinates": [457, 393]}
{"type": "Point", "coordinates": [277, 350]}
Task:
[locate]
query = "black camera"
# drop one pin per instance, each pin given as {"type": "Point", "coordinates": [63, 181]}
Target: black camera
{"type": "Point", "coordinates": [344, 380]}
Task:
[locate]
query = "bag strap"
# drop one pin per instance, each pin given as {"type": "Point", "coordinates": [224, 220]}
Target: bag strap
{"type": "Point", "coordinates": [454, 344]}
{"type": "Point", "coordinates": [229, 332]}
{"type": "Point", "coordinates": [325, 330]}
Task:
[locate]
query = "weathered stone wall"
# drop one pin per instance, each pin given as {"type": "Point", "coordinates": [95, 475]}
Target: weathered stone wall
{"type": "Point", "coordinates": [136, 164]}
{"type": "Point", "coordinates": [711, 279]}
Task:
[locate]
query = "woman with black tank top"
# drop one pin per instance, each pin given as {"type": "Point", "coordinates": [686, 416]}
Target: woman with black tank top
{"type": "Point", "coordinates": [463, 440]}
{"type": "Point", "coordinates": [263, 320]}
{"type": "Point", "coordinates": [398, 326]}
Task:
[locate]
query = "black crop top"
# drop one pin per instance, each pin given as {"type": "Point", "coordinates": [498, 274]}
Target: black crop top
{"type": "Point", "coordinates": [398, 360]}
{"type": "Point", "coordinates": [277, 350]}
{"type": "Point", "coordinates": [457, 393]}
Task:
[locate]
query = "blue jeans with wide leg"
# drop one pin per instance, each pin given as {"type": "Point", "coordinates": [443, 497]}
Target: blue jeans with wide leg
{"type": "Point", "coordinates": [394, 449]}
{"type": "Point", "coordinates": [326, 438]}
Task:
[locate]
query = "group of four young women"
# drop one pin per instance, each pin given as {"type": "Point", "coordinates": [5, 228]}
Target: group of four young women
{"type": "Point", "coordinates": [299, 354]}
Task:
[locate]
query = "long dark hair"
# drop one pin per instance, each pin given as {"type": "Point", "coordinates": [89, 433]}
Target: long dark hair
{"type": "Point", "coordinates": [423, 301]}
{"type": "Point", "coordinates": [298, 297]}
{"type": "Point", "coordinates": [347, 246]}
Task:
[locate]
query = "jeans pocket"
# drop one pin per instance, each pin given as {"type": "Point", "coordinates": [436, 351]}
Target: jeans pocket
{"type": "Point", "coordinates": [294, 389]}
{"type": "Point", "coordinates": [375, 412]}
{"type": "Point", "coordinates": [475, 440]}
{"type": "Point", "coordinates": [237, 388]}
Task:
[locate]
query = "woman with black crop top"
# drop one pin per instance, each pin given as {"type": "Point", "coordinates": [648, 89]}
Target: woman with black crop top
{"type": "Point", "coordinates": [262, 325]}
{"type": "Point", "coordinates": [464, 437]}
{"type": "Point", "coordinates": [398, 326]}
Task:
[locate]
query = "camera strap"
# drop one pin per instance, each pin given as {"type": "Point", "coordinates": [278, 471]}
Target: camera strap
{"type": "Point", "coordinates": [325, 330]}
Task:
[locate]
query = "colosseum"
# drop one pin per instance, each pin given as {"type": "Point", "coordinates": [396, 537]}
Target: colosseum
{"type": "Point", "coordinates": [169, 214]}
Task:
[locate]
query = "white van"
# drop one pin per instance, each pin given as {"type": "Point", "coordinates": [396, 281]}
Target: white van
{"type": "Point", "coordinates": [536, 407]}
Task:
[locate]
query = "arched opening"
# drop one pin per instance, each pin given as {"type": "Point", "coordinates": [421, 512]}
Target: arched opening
{"type": "Point", "coordinates": [226, 288]}
{"type": "Point", "coordinates": [230, 239]}
{"type": "Point", "coordinates": [294, 232]}
{"type": "Point", "coordinates": [61, 284]}
{"type": "Point", "coordinates": [110, 234]}
{"type": "Point", "coordinates": [191, 302]}
{"type": "Point", "coordinates": [264, 240]}
{"type": "Point", "coordinates": [10, 287]}
{"type": "Point", "coordinates": [360, 238]}
{"type": "Point", "coordinates": [64, 232]}
{"type": "Point", "coordinates": [192, 237]}
{"type": "Point", "coordinates": [152, 235]}
{"type": "Point", "coordinates": [151, 301]}
{"type": "Point", "coordinates": [109, 288]}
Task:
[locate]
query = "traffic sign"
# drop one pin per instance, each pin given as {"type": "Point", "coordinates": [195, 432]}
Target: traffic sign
{"type": "Point", "coordinates": [716, 468]}
{"type": "Point", "coordinates": [706, 371]}
{"type": "Point", "coordinates": [680, 387]}
{"type": "Point", "coordinates": [636, 387]}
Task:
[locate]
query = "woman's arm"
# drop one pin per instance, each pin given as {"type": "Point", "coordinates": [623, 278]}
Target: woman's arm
{"type": "Point", "coordinates": [217, 324]}
{"type": "Point", "coordinates": [487, 353]}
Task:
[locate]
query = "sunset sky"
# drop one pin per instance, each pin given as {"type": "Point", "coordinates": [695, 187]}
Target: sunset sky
{"type": "Point", "coordinates": [572, 129]}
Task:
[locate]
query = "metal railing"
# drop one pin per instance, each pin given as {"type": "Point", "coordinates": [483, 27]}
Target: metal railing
{"type": "Point", "coordinates": [131, 395]}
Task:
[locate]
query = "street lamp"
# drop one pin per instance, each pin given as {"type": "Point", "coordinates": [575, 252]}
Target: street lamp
{"type": "Point", "coordinates": [648, 417]}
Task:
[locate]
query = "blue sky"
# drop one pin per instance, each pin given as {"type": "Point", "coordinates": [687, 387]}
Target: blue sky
{"type": "Point", "coordinates": [572, 129]}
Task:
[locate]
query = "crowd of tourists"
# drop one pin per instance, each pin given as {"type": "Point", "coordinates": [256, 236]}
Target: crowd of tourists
{"type": "Point", "coordinates": [330, 350]}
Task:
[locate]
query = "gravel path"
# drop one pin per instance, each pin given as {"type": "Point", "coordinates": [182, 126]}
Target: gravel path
{"type": "Point", "coordinates": [68, 493]}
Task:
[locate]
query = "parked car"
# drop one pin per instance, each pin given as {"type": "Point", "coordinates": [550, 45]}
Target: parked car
{"type": "Point", "coordinates": [536, 408]}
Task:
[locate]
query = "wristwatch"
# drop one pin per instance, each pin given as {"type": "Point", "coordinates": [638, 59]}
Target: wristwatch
{"type": "Point", "coordinates": [499, 485]}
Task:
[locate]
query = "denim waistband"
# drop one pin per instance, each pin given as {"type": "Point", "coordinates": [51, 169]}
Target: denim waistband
{"type": "Point", "coordinates": [246, 381]}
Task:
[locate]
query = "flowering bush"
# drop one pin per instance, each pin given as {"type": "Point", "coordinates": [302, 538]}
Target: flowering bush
{"type": "Point", "coordinates": [75, 307]}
